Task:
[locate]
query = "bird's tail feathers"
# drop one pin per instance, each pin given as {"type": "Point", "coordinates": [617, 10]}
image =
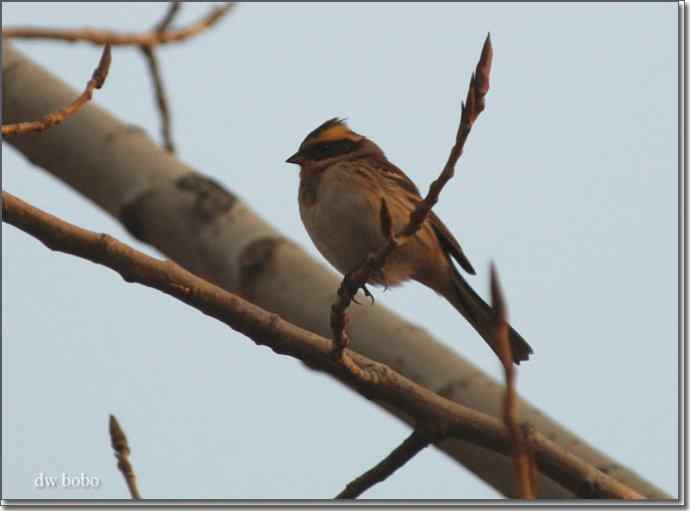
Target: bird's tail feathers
{"type": "Point", "coordinates": [481, 316]}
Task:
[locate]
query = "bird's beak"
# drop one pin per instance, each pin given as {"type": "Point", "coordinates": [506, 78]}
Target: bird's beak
{"type": "Point", "coordinates": [295, 158]}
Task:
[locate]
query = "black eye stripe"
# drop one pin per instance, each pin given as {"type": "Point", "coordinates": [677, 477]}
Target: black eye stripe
{"type": "Point", "coordinates": [324, 150]}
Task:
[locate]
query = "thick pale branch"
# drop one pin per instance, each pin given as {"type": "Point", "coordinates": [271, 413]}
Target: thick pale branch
{"type": "Point", "coordinates": [96, 82]}
{"type": "Point", "coordinates": [100, 37]}
{"type": "Point", "coordinates": [265, 328]}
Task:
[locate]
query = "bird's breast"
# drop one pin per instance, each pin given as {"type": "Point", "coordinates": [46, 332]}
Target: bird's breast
{"type": "Point", "coordinates": [340, 216]}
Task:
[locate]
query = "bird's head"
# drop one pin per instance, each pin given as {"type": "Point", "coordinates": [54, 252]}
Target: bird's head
{"type": "Point", "coordinates": [330, 141]}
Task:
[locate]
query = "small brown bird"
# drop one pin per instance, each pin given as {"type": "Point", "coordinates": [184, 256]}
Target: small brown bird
{"type": "Point", "coordinates": [343, 177]}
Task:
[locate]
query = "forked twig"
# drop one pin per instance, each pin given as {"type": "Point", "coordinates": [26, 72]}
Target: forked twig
{"type": "Point", "coordinates": [356, 279]}
{"type": "Point", "coordinates": [268, 329]}
{"type": "Point", "coordinates": [118, 440]}
{"type": "Point", "coordinates": [147, 42]}
{"type": "Point", "coordinates": [173, 10]}
{"type": "Point", "coordinates": [52, 119]}
{"type": "Point", "coordinates": [522, 458]}
{"type": "Point", "coordinates": [524, 461]}
{"type": "Point", "coordinates": [100, 37]}
{"type": "Point", "coordinates": [412, 445]}
{"type": "Point", "coordinates": [149, 52]}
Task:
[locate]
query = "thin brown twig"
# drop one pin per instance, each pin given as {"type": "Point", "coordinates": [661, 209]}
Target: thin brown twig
{"type": "Point", "coordinates": [267, 329]}
{"type": "Point", "coordinates": [527, 433]}
{"type": "Point", "coordinates": [100, 37]}
{"type": "Point", "coordinates": [173, 10]}
{"type": "Point", "coordinates": [118, 440]}
{"type": "Point", "coordinates": [161, 98]}
{"type": "Point", "coordinates": [52, 119]}
{"type": "Point", "coordinates": [149, 53]}
{"type": "Point", "coordinates": [356, 279]}
{"type": "Point", "coordinates": [524, 465]}
{"type": "Point", "coordinates": [407, 450]}
{"type": "Point", "coordinates": [147, 42]}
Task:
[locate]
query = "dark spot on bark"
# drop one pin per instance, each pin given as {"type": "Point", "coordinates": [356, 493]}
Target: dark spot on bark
{"type": "Point", "coordinates": [207, 200]}
{"type": "Point", "coordinates": [128, 129]}
{"type": "Point", "coordinates": [212, 200]}
{"type": "Point", "coordinates": [254, 259]}
{"type": "Point", "coordinates": [132, 216]}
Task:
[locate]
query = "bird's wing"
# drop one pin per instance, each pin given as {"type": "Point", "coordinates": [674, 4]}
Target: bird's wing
{"type": "Point", "coordinates": [450, 245]}
{"type": "Point", "coordinates": [397, 176]}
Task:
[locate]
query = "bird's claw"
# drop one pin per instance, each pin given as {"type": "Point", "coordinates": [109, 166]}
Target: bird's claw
{"type": "Point", "coordinates": [368, 294]}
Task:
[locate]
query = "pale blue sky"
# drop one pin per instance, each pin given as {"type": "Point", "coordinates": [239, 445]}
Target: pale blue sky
{"type": "Point", "coordinates": [568, 183]}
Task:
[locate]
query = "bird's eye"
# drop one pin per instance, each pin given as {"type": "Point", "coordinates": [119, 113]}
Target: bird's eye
{"type": "Point", "coordinates": [324, 150]}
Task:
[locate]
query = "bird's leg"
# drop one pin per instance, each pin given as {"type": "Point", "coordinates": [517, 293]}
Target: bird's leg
{"type": "Point", "coordinates": [367, 293]}
{"type": "Point", "coordinates": [347, 283]}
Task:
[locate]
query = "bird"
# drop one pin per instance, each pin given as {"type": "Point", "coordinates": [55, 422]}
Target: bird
{"type": "Point", "coordinates": [345, 180]}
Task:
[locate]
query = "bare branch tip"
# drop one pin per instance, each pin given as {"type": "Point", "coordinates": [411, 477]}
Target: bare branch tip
{"type": "Point", "coordinates": [101, 72]}
{"type": "Point", "coordinates": [173, 9]}
{"type": "Point", "coordinates": [487, 49]}
{"type": "Point", "coordinates": [483, 70]}
{"type": "Point", "coordinates": [118, 439]}
{"type": "Point", "coordinates": [113, 424]}
{"type": "Point", "coordinates": [220, 11]}
{"type": "Point", "coordinates": [497, 299]}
